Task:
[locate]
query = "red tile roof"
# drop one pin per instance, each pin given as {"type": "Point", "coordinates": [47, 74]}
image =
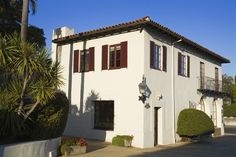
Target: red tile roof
{"type": "Point", "coordinates": [145, 21]}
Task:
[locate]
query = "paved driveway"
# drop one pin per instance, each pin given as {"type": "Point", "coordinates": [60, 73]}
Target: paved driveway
{"type": "Point", "coordinates": [218, 147]}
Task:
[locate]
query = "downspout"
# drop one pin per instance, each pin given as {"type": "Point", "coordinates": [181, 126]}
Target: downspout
{"type": "Point", "coordinates": [173, 86]}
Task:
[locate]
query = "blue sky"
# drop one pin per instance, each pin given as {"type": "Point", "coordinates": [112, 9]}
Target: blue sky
{"type": "Point", "coordinates": [211, 23]}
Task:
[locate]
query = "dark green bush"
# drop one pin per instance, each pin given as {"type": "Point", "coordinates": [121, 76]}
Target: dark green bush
{"type": "Point", "coordinates": [230, 110]}
{"type": "Point", "coordinates": [49, 120]}
{"type": "Point", "coordinates": [119, 139]}
{"type": "Point", "coordinates": [11, 126]}
{"type": "Point", "coordinates": [192, 123]}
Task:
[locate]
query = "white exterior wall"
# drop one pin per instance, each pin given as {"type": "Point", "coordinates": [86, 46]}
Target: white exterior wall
{"type": "Point", "coordinates": [120, 85]}
{"type": "Point", "coordinates": [185, 90]}
{"type": "Point", "coordinates": [159, 83]}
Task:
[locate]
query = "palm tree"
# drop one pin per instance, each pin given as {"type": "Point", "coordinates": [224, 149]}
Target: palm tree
{"type": "Point", "coordinates": [29, 74]}
{"type": "Point", "coordinates": [24, 19]}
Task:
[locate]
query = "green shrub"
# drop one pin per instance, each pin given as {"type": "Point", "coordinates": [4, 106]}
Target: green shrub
{"type": "Point", "coordinates": [65, 148]}
{"type": "Point", "coordinates": [230, 110]}
{"type": "Point", "coordinates": [119, 140]}
{"type": "Point", "coordinates": [11, 125]}
{"type": "Point", "coordinates": [192, 123]}
{"type": "Point", "coordinates": [50, 119]}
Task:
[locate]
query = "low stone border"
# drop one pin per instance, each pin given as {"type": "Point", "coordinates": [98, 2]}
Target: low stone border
{"type": "Point", "coordinates": [230, 121]}
{"type": "Point", "coordinates": [44, 148]}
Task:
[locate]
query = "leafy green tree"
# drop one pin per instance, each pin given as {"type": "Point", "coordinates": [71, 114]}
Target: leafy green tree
{"type": "Point", "coordinates": [28, 76]}
{"type": "Point", "coordinates": [10, 21]}
{"type": "Point", "coordinates": [227, 82]}
{"type": "Point", "coordinates": [234, 93]}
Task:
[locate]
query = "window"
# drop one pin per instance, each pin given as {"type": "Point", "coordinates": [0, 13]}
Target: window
{"type": "Point", "coordinates": [158, 56]}
{"type": "Point", "coordinates": [115, 56]}
{"type": "Point", "coordinates": [216, 79]}
{"type": "Point", "coordinates": [85, 61]}
{"type": "Point", "coordinates": [104, 115]}
{"type": "Point", "coordinates": [183, 65]}
{"type": "Point", "coordinates": [202, 75]}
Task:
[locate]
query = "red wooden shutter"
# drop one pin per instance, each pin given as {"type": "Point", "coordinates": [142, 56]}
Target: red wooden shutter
{"type": "Point", "coordinates": [124, 50]}
{"type": "Point", "coordinates": [179, 63]}
{"type": "Point", "coordinates": [151, 54]}
{"type": "Point", "coordinates": [76, 61]}
{"type": "Point", "coordinates": [164, 48]}
{"type": "Point", "coordinates": [188, 64]}
{"type": "Point", "coordinates": [104, 56]}
{"type": "Point", "coordinates": [91, 59]}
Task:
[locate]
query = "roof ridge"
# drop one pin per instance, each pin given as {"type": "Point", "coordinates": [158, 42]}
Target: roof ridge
{"type": "Point", "coordinates": [134, 24]}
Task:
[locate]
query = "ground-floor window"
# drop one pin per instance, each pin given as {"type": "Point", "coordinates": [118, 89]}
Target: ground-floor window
{"type": "Point", "coordinates": [104, 115]}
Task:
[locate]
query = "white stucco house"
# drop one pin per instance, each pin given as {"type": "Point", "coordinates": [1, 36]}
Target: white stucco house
{"type": "Point", "coordinates": [106, 69]}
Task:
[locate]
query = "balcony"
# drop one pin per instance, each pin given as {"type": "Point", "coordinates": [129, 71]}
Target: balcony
{"type": "Point", "coordinates": [209, 85]}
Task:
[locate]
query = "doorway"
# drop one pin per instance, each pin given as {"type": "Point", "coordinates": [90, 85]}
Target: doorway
{"type": "Point", "coordinates": [156, 125]}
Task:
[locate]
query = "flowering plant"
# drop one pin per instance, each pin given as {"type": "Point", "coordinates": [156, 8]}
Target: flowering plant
{"type": "Point", "coordinates": [82, 142]}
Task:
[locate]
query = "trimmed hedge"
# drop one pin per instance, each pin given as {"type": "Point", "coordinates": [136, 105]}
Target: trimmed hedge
{"type": "Point", "coordinates": [230, 110]}
{"type": "Point", "coordinates": [10, 125]}
{"type": "Point", "coordinates": [50, 119]}
{"type": "Point", "coordinates": [119, 140]}
{"type": "Point", "coordinates": [193, 123]}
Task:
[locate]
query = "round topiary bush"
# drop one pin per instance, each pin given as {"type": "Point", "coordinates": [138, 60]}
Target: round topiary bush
{"type": "Point", "coordinates": [49, 120]}
{"type": "Point", "coordinates": [192, 123]}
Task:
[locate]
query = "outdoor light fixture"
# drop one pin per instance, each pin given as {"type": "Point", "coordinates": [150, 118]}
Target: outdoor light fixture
{"type": "Point", "coordinates": [142, 90]}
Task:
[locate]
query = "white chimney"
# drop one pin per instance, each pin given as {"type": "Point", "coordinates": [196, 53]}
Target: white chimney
{"type": "Point", "coordinates": [62, 32]}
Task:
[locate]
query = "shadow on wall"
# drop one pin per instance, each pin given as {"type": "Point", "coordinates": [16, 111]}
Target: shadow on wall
{"type": "Point", "coordinates": [80, 122]}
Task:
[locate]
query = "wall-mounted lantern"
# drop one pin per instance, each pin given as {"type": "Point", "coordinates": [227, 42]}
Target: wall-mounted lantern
{"type": "Point", "coordinates": [143, 90]}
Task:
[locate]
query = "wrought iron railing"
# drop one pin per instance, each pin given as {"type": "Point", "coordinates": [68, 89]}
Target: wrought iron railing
{"type": "Point", "coordinates": [211, 84]}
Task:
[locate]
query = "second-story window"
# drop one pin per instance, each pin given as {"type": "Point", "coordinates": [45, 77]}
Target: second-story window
{"type": "Point", "coordinates": [183, 65]}
{"type": "Point", "coordinates": [84, 60]}
{"type": "Point", "coordinates": [84, 63]}
{"type": "Point", "coordinates": [158, 57]}
{"type": "Point", "coordinates": [114, 57]}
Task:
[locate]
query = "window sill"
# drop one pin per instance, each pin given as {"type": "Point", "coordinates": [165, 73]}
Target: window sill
{"type": "Point", "coordinates": [157, 69]}
{"type": "Point", "coordinates": [183, 75]}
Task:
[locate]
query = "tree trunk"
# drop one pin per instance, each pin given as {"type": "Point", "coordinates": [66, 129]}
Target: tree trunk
{"type": "Point", "coordinates": [22, 97]}
{"type": "Point", "coordinates": [32, 109]}
{"type": "Point", "coordinates": [24, 20]}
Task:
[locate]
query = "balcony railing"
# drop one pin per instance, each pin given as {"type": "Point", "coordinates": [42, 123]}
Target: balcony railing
{"type": "Point", "coordinates": [210, 84]}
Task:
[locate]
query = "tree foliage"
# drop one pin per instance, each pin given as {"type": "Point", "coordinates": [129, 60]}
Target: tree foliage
{"type": "Point", "coordinates": [229, 87]}
{"type": "Point", "coordinates": [10, 21]}
{"type": "Point", "coordinates": [50, 119]}
{"type": "Point", "coordinates": [28, 76]}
